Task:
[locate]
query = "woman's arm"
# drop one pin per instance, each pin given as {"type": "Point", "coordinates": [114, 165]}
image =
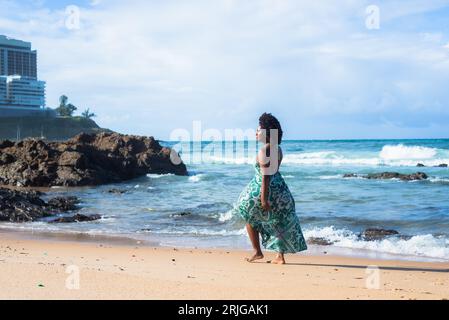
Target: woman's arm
{"type": "Point", "coordinates": [264, 164]}
{"type": "Point", "coordinates": [264, 192]}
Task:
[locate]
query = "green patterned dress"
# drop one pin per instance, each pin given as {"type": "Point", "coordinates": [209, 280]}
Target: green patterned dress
{"type": "Point", "coordinates": [279, 228]}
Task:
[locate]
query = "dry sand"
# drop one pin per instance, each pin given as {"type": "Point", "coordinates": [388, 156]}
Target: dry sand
{"type": "Point", "coordinates": [47, 269]}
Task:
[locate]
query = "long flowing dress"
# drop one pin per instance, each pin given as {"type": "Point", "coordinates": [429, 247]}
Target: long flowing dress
{"type": "Point", "coordinates": [280, 228]}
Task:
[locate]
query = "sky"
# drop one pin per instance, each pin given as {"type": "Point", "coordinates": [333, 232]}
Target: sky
{"type": "Point", "coordinates": [327, 69]}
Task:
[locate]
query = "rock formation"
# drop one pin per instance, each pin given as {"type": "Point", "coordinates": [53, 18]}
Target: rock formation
{"type": "Point", "coordinates": [85, 160]}
{"type": "Point", "coordinates": [390, 175]}
{"type": "Point", "coordinates": [25, 206]}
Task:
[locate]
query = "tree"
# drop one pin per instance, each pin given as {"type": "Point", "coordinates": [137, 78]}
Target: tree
{"type": "Point", "coordinates": [65, 109]}
{"type": "Point", "coordinates": [87, 114]}
{"type": "Point", "coordinates": [63, 100]}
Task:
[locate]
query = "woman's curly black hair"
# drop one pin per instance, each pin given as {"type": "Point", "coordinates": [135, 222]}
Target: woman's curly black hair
{"type": "Point", "coordinates": [268, 122]}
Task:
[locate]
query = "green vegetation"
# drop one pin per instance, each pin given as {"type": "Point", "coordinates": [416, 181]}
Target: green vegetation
{"type": "Point", "coordinates": [87, 114]}
{"type": "Point", "coordinates": [65, 126]}
{"type": "Point", "coordinates": [46, 127]}
{"type": "Point", "coordinates": [65, 109]}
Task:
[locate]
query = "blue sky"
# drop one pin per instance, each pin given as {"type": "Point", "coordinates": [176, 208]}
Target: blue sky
{"type": "Point", "coordinates": [149, 67]}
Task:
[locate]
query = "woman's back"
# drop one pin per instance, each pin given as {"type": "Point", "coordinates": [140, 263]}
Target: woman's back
{"type": "Point", "coordinates": [264, 160]}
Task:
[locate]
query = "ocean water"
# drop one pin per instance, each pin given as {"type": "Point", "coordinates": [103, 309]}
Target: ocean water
{"type": "Point", "coordinates": [197, 210]}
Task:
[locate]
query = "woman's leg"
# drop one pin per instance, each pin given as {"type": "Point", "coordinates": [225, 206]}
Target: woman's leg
{"type": "Point", "coordinates": [279, 259]}
{"type": "Point", "coordinates": [255, 241]}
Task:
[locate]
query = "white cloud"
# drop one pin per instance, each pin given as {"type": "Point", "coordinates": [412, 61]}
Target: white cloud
{"type": "Point", "coordinates": [164, 64]}
{"type": "Point", "coordinates": [95, 2]}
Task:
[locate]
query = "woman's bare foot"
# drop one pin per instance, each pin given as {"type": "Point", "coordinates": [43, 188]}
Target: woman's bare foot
{"type": "Point", "coordinates": [279, 260]}
{"type": "Point", "coordinates": [257, 256]}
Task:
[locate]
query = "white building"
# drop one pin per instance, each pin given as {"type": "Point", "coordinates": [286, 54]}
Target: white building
{"type": "Point", "coordinates": [24, 92]}
{"type": "Point", "coordinates": [20, 90]}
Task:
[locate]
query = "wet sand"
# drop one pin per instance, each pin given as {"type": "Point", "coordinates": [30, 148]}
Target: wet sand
{"type": "Point", "coordinates": [52, 269]}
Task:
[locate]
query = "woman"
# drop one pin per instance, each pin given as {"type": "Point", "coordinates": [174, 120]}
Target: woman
{"type": "Point", "coordinates": [266, 204]}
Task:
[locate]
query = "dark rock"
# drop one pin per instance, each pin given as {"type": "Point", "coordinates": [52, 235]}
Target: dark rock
{"type": "Point", "coordinates": [420, 165]}
{"type": "Point", "coordinates": [181, 214]}
{"type": "Point", "coordinates": [443, 165]}
{"type": "Point", "coordinates": [390, 175]}
{"type": "Point", "coordinates": [77, 218]}
{"type": "Point", "coordinates": [319, 241]}
{"type": "Point", "coordinates": [377, 234]}
{"type": "Point", "coordinates": [6, 144]}
{"type": "Point", "coordinates": [24, 206]}
{"type": "Point", "coordinates": [6, 158]}
{"type": "Point", "coordinates": [63, 203]}
{"type": "Point", "coordinates": [83, 138]}
{"type": "Point", "coordinates": [396, 175]}
{"type": "Point", "coordinates": [72, 159]}
{"type": "Point", "coordinates": [87, 159]}
{"type": "Point", "coordinates": [117, 191]}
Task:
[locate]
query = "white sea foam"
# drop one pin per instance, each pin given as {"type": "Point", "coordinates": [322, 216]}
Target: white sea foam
{"type": "Point", "coordinates": [317, 155]}
{"type": "Point", "coordinates": [424, 246]}
{"type": "Point", "coordinates": [331, 159]}
{"type": "Point", "coordinates": [226, 216]}
{"type": "Point", "coordinates": [158, 176]}
{"type": "Point", "coordinates": [390, 155]}
{"type": "Point", "coordinates": [439, 180]}
{"type": "Point", "coordinates": [196, 178]}
{"type": "Point", "coordinates": [402, 152]}
{"type": "Point", "coordinates": [419, 245]}
{"type": "Point", "coordinates": [201, 232]}
{"type": "Point", "coordinates": [230, 160]}
{"type": "Point", "coordinates": [331, 177]}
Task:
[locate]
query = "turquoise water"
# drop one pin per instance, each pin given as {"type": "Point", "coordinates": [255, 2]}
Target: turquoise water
{"type": "Point", "coordinates": [196, 210]}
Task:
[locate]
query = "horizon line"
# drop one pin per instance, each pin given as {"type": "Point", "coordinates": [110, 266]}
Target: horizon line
{"type": "Point", "coordinates": [318, 140]}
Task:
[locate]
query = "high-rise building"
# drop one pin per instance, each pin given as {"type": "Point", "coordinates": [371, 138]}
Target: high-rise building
{"type": "Point", "coordinates": [3, 91]}
{"type": "Point", "coordinates": [17, 58]}
{"type": "Point", "coordinates": [20, 89]}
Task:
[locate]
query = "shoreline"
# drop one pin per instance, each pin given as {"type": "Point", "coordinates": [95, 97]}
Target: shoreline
{"type": "Point", "coordinates": [42, 269]}
{"type": "Point", "coordinates": [158, 241]}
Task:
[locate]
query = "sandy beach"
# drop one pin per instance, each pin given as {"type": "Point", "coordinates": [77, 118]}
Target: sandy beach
{"type": "Point", "coordinates": [49, 269]}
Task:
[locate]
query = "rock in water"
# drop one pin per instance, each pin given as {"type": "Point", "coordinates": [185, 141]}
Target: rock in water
{"type": "Point", "coordinates": [77, 218]}
{"type": "Point", "coordinates": [319, 241]}
{"type": "Point", "coordinates": [25, 206]}
{"type": "Point", "coordinates": [85, 160]}
{"type": "Point", "coordinates": [377, 234]}
{"type": "Point", "coordinates": [63, 203]}
{"type": "Point", "coordinates": [396, 175]}
{"type": "Point", "coordinates": [181, 214]}
{"type": "Point", "coordinates": [117, 191]}
{"type": "Point", "coordinates": [390, 175]}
